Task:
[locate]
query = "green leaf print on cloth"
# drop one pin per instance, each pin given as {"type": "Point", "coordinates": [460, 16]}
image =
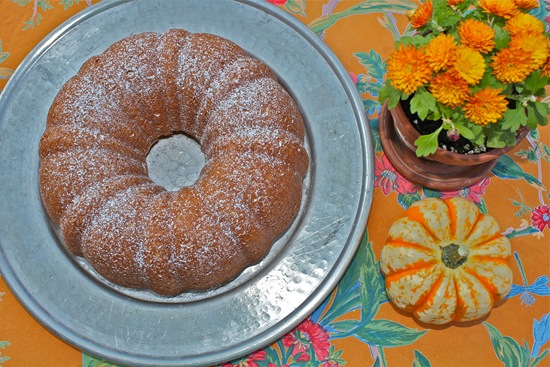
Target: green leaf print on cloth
{"type": "Point", "coordinates": [5, 73]}
{"type": "Point", "coordinates": [513, 354]}
{"type": "Point", "coordinates": [3, 358]}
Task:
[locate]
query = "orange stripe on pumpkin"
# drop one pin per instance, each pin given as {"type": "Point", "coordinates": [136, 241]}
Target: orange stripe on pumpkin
{"type": "Point", "coordinates": [414, 214]}
{"type": "Point", "coordinates": [427, 301]}
{"type": "Point", "coordinates": [453, 216]}
{"type": "Point", "coordinates": [399, 242]}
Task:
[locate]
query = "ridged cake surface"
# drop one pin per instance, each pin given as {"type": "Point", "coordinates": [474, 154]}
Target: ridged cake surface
{"type": "Point", "coordinates": [101, 126]}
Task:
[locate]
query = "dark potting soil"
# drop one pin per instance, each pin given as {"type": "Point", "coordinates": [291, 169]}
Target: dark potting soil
{"type": "Point", "coordinates": [424, 127]}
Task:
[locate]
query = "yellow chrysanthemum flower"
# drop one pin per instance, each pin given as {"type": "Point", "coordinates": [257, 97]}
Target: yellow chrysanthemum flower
{"type": "Point", "coordinates": [527, 4]}
{"type": "Point", "coordinates": [408, 68]}
{"type": "Point", "coordinates": [486, 106]}
{"type": "Point", "coordinates": [511, 65]}
{"type": "Point", "coordinates": [454, 2]}
{"type": "Point", "coordinates": [535, 45]}
{"type": "Point", "coordinates": [422, 15]}
{"type": "Point", "coordinates": [502, 8]}
{"type": "Point", "coordinates": [440, 52]}
{"type": "Point", "coordinates": [524, 23]}
{"type": "Point", "coordinates": [469, 64]}
{"type": "Point", "coordinates": [449, 89]}
{"type": "Point", "coordinates": [477, 35]}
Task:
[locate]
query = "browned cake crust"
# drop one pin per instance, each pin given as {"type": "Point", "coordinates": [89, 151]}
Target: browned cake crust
{"type": "Point", "coordinates": [101, 126]}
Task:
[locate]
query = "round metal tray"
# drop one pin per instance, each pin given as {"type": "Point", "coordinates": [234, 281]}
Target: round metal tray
{"type": "Point", "coordinates": [267, 300]}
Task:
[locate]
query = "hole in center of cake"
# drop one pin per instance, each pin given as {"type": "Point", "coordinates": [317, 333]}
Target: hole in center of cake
{"type": "Point", "coordinates": [175, 162]}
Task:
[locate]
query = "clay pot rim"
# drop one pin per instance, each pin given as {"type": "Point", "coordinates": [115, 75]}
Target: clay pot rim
{"type": "Point", "coordinates": [409, 134]}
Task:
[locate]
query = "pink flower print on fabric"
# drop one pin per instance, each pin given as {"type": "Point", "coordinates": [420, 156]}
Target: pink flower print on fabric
{"type": "Point", "coordinates": [388, 179]}
{"type": "Point", "coordinates": [472, 193]}
{"type": "Point", "coordinates": [308, 335]}
{"type": "Point", "coordinates": [540, 217]}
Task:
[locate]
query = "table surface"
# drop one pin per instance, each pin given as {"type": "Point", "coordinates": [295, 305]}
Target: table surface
{"type": "Point", "coordinates": [361, 34]}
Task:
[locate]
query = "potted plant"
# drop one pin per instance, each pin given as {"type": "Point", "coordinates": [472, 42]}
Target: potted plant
{"type": "Point", "coordinates": [469, 83]}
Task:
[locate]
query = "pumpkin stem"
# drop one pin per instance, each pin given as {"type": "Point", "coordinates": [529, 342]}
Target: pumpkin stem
{"type": "Point", "coordinates": [454, 255]}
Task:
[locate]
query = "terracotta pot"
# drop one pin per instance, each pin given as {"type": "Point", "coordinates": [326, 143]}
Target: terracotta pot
{"type": "Point", "coordinates": [443, 170]}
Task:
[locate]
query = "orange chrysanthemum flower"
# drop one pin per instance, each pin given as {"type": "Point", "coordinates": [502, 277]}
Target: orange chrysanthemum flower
{"type": "Point", "coordinates": [449, 89]}
{"type": "Point", "coordinates": [502, 8]}
{"type": "Point", "coordinates": [527, 4]}
{"type": "Point", "coordinates": [408, 68]}
{"type": "Point", "coordinates": [546, 68]}
{"type": "Point", "coordinates": [524, 23]}
{"type": "Point", "coordinates": [454, 2]}
{"type": "Point", "coordinates": [477, 35]}
{"type": "Point", "coordinates": [469, 64]}
{"type": "Point", "coordinates": [535, 45]}
{"type": "Point", "coordinates": [440, 52]}
{"type": "Point", "coordinates": [486, 106]}
{"type": "Point", "coordinates": [511, 65]}
{"type": "Point", "coordinates": [422, 15]}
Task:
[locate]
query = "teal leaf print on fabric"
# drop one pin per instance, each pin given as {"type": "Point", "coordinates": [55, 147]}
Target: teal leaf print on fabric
{"type": "Point", "coordinates": [321, 24]}
{"type": "Point", "coordinates": [88, 361]}
{"type": "Point", "coordinates": [4, 344]}
{"type": "Point", "coordinates": [5, 73]}
{"type": "Point", "coordinates": [508, 169]}
{"type": "Point", "coordinates": [68, 3]}
{"type": "Point", "coordinates": [507, 349]}
{"type": "Point", "coordinates": [41, 6]}
{"type": "Point", "coordinates": [369, 84]}
{"type": "Point", "coordinates": [386, 333]}
{"type": "Point", "coordinates": [541, 334]}
{"type": "Point", "coordinates": [362, 287]}
{"type": "Point", "coordinates": [296, 7]}
{"type": "Point", "coordinates": [420, 360]}
{"type": "Point", "coordinates": [513, 354]}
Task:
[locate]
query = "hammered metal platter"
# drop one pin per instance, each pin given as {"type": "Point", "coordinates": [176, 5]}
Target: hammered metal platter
{"type": "Point", "coordinates": [137, 328]}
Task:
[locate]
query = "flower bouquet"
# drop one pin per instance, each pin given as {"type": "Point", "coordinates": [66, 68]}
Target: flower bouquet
{"type": "Point", "coordinates": [475, 70]}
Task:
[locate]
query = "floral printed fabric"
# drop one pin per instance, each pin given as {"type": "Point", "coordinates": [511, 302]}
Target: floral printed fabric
{"type": "Point", "coordinates": [356, 325]}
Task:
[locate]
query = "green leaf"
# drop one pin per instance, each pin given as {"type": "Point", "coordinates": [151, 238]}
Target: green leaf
{"type": "Point", "coordinates": [536, 83]}
{"type": "Point", "coordinates": [514, 118]}
{"type": "Point", "coordinates": [427, 144]}
{"type": "Point", "coordinates": [388, 333]}
{"type": "Point", "coordinates": [444, 15]}
{"type": "Point", "coordinates": [423, 103]}
{"type": "Point", "coordinates": [465, 131]}
{"type": "Point", "coordinates": [537, 114]}
{"type": "Point", "coordinates": [497, 138]}
{"type": "Point", "coordinates": [501, 38]}
{"type": "Point", "coordinates": [4, 344]}
{"type": "Point", "coordinates": [373, 62]}
{"type": "Point", "coordinates": [390, 94]}
{"type": "Point", "coordinates": [507, 349]}
{"type": "Point", "coordinates": [417, 40]}
{"type": "Point", "coordinates": [420, 360]}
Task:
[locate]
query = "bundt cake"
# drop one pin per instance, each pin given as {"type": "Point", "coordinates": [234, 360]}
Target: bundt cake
{"type": "Point", "coordinates": [103, 122]}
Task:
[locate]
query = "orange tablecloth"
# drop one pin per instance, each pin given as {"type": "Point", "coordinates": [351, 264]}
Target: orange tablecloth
{"type": "Point", "coordinates": [516, 195]}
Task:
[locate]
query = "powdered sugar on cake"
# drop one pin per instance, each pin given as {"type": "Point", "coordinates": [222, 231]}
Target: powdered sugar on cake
{"type": "Point", "coordinates": [103, 122]}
